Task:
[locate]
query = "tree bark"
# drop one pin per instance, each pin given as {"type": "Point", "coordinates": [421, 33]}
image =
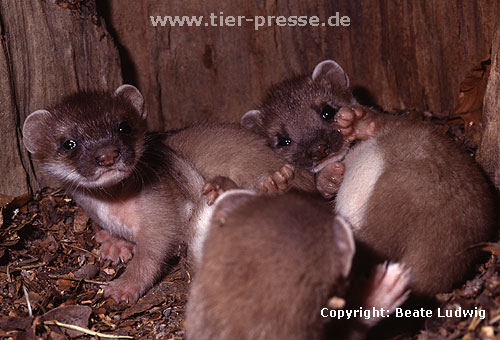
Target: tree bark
{"type": "Point", "coordinates": [49, 49]}
{"type": "Point", "coordinates": [489, 150]}
{"type": "Point", "coordinates": [406, 54]}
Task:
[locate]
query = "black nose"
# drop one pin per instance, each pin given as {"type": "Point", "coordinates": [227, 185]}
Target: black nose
{"type": "Point", "coordinates": [107, 157]}
{"type": "Point", "coordinates": [319, 152]}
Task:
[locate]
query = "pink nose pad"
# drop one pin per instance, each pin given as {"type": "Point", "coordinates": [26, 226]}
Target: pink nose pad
{"type": "Point", "coordinates": [108, 158]}
{"type": "Point", "coordinates": [319, 152]}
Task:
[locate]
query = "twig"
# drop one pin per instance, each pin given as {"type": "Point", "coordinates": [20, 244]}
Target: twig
{"type": "Point", "coordinates": [30, 312]}
{"type": "Point", "coordinates": [476, 245]}
{"type": "Point", "coordinates": [495, 320]}
{"type": "Point", "coordinates": [21, 265]}
{"type": "Point", "coordinates": [81, 249]}
{"type": "Point", "coordinates": [475, 322]}
{"type": "Point", "coordinates": [30, 266]}
{"type": "Point", "coordinates": [85, 330]}
{"type": "Point", "coordinates": [71, 278]}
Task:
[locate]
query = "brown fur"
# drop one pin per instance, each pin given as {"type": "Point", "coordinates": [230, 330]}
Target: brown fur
{"type": "Point", "coordinates": [293, 109]}
{"type": "Point", "coordinates": [269, 265]}
{"type": "Point", "coordinates": [229, 157]}
{"type": "Point", "coordinates": [128, 182]}
{"type": "Point", "coordinates": [429, 203]}
{"type": "Point", "coordinates": [433, 199]}
{"type": "Point", "coordinates": [227, 150]}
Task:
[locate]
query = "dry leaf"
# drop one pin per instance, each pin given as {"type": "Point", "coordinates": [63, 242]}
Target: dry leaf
{"type": "Point", "coordinates": [470, 108]}
{"type": "Point", "coordinates": [65, 285]}
{"type": "Point", "coordinates": [136, 309]}
{"type": "Point", "coordinates": [73, 315]}
{"type": "Point", "coordinates": [88, 271]}
{"type": "Point", "coordinates": [80, 222]}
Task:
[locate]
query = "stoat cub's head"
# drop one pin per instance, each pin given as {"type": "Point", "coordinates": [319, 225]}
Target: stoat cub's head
{"type": "Point", "coordinates": [297, 117]}
{"type": "Point", "coordinates": [90, 139]}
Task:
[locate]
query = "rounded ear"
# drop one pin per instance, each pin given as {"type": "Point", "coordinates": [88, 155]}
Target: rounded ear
{"type": "Point", "coordinates": [229, 201]}
{"type": "Point", "coordinates": [252, 120]}
{"type": "Point", "coordinates": [344, 241]}
{"type": "Point", "coordinates": [134, 96]}
{"type": "Point", "coordinates": [32, 128]}
{"type": "Point", "coordinates": [331, 71]}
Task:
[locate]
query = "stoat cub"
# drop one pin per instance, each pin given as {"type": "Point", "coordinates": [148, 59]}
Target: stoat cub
{"type": "Point", "coordinates": [273, 267]}
{"type": "Point", "coordinates": [233, 157]}
{"type": "Point", "coordinates": [143, 195]}
{"type": "Point", "coordinates": [145, 189]}
{"type": "Point", "coordinates": [408, 192]}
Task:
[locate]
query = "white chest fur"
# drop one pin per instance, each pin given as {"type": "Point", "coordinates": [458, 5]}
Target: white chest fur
{"type": "Point", "coordinates": [200, 230]}
{"type": "Point", "coordinates": [119, 218]}
{"type": "Point", "coordinates": [363, 166]}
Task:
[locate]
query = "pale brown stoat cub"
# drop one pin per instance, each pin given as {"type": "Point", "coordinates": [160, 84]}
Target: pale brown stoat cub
{"type": "Point", "coordinates": [144, 196]}
{"type": "Point", "coordinates": [408, 192]}
{"type": "Point", "coordinates": [230, 156]}
{"type": "Point", "coordinates": [274, 267]}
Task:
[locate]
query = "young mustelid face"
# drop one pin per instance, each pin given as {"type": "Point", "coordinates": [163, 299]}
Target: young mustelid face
{"type": "Point", "coordinates": [146, 198]}
{"type": "Point", "coordinates": [408, 192]}
{"type": "Point", "coordinates": [298, 117]}
{"type": "Point", "coordinates": [91, 140]}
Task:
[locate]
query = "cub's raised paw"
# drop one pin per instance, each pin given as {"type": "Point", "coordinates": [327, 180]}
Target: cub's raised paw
{"type": "Point", "coordinates": [388, 287]}
{"type": "Point", "coordinates": [280, 181]}
{"type": "Point", "coordinates": [114, 248]}
{"type": "Point", "coordinates": [328, 180]}
{"type": "Point", "coordinates": [216, 187]}
{"type": "Point", "coordinates": [355, 123]}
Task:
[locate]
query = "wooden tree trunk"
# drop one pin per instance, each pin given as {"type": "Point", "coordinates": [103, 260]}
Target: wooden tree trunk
{"type": "Point", "coordinates": [489, 150]}
{"type": "Point", "coordinates": [407, 54]}
{"type": "Point", "coordinates": [49, 49]}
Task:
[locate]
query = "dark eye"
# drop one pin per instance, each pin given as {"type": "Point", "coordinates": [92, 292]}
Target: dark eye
{"type": "Point", "coordinates": [69, 144]}
{"type": "Point", "coordinates": [328, 112]}
{"type": "Point", "coordinates": [124, 128]}
{"type": "Point", "coordinates": [284, 141]}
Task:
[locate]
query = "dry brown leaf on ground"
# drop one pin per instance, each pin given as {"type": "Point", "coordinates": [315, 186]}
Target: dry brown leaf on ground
{"type": "Point", "coordinates": [74, 315]}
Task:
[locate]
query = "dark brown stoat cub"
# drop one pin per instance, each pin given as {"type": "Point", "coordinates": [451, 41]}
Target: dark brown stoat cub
{"type": "Point", "coordinates": [408, 192]}
{"type": "Point", "coordinates": [138, 190]}
{"type": "Point", "coordinates": [270, 266]}
{"type": "Point", "coordinates": [298, 117]}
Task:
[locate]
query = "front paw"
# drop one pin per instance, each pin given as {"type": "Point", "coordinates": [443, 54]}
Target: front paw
{"type": "Point", "coordinates": [114, 248]}
{"type": "Point", "coordinates": [387, 287]}
{"type": "Point", "coordinates": [125, 290]}
{"type": "Point", "coordinates": [216, 187]}
{"type": "Point", "coordinates": [280, 181]}
{"type": "Point", "coordinates": [355, 123]}
{"type": "Point", "coordinates": [328, 180]}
